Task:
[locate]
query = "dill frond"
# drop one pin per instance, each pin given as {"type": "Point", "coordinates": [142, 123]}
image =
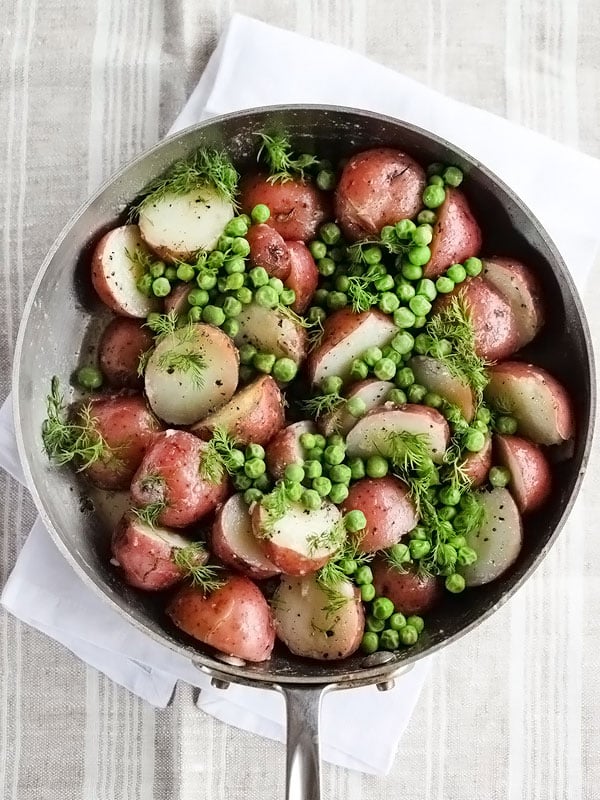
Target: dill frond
{"type": "Point", "coordinates": [150, 513]}
{"type": "Point", "coordinates": [191, 364]}
{"type": "Point", "coordinates": [143, 361]}
{"type": "Point", "coordinates": [276, 504]}
{"type": "Point", "coordinates": [328, 540]}
{"type": "Point", "coordinates": [283, 165]}
{"type": "Point", "coordinates": [190, 561]}
{"type": "Point", "coordinates": [162, 325]}
{"type": "Point", "coordinates": [323, 404]}
{"type": "Point", "coordinates": [218, 457]}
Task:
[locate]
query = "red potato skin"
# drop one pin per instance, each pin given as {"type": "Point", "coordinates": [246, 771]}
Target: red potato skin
{"type": "Point", "coordinates": [128, 427]}
{"type": "Point", "coordinates": [525, 274]}
{"type": "Point", "coordinates": [531, 477]}
{"type": "Point", "coordinates": [377, 187]}
{"type": "Point", "coordinates": [177, 301]}
{"type": "Point", "coordinates": [494, 323]}
{"type": "Point", "coordinates": [456, 234]}
{"type": "Point", "coordinates": [290, 562]}
{"type": "Point", "coordinates": [477, 465]}
{"type": "Point", "coordinates": [122, 343]}
{"type": "Point", "coordinates": [410, 593]}
{"type": "Point", "coordinates": [225, 552]}
{"type": "Point", "coordinates": [297, 208]}
{"type": "Point", "coordinates": [234, 619]}
{"type": "Point", "coordinates": [269, 250]}
{"type": "Point", "coordinates": [285, 447]}
{"type": "Point", "coordinates": [175, 456]}
{"type": "Point", "coordinates": [303, 277]}
{"type": "Point", "coordinates": [389, 511]}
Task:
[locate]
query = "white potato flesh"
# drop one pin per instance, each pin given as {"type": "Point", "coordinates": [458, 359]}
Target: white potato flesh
{"type": "Point", "coordinates": [233, 540]}
{"type": "Point", "coordinates": [519, 286]}
{"type": "Point", "coordinates": [371, 435]}
{"type": "Point", "coordinates": [307, 623]}
{"type": "Point", "coordinates": [498, 542]}
{"type": "Point", "coordinates": [372, 393]}
{"type": "Point", "coordinates": [176, 226]}
{"type": "Point", "coordinates": [271, 332]}
{"type": "Point", "coordinates": [191, 373]}
{"type": "Point", "coordinates": [435, 376]}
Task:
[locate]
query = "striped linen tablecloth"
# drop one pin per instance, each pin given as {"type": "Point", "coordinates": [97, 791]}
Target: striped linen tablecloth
{"type": "Point", "coordinates": [509, 713]}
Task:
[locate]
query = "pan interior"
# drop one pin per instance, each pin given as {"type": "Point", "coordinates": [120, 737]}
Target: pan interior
{"type": "Point", "coordinates": [61, 323]}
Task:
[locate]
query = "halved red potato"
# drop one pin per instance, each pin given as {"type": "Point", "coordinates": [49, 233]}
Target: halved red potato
{"type": "Point", "coordinates": [346, 337]}
{"type": "Point", "coordinates": [128, 428]}
{"type": "Point", "coordinates": [177, 225]}
{"type": "Point", "coordinates": [377, 187]}
{"type": "Point", "coordinates": [234, 619]}
{"type": "Point", "coordinates": [177, 300]}
{"type": "Point", "coordinates": [169, 476]}
{"type": "Point", "coordinates": [373, 433]}
{"type": "Point", "coordinates": [498, 541]}
{"type": "Point", "coordinates": [411, 592]}
{"type": "Point", "coordinates": [303, 277]}
{"type": "Point", "coordinates": [310, 625]}
{"type": "Point", "coordinates": [477, 465]}
{"type": "Point", "coordinates": [115, 273]}
{"type": "Point", "coordinates": [269, 250]}
{"type": "Point", "coordinates": [285, 447]}
{"type": "Point", "coordinates": [272, 332]}
{"type": "Point", "coordinates": [530, 474]}
{"type": "Point", "coordinates": [540, 404]}
{"type": "Point", "coordinates": [519, 286]}
{"type": "Point", "coordinates": [233, 541]}
{"type": "Point", "coordinates": [297, 208]}
{"type": "Point", "coordinates": [389, 510]}
{"type": "Point", "coordinates": [494, 323]}
{"type": "Point", "coordinates": [254, 414]}
{"type": "Point", "coordinates": [372, 392]}
{"type": "Point", "coordinates": [302, 540]}
{"type": "Point", "coordinates": [123, 342]}
{"type": "Point", "coordinates": [145, 554]}
{"type": "Point", "coordinates": [436, 377]}
{"type": "Point", "coordinates": [456, 234]}
{"type": "Point", "coordinates": [192, 371]}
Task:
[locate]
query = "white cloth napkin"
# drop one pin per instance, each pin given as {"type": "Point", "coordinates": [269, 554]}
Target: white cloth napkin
{"type": "Point", "coordinates": [547, 175]}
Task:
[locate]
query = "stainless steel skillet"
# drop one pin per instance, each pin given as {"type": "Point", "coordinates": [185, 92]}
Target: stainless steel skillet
{"type": "Point", "coordinates": [60, 323]}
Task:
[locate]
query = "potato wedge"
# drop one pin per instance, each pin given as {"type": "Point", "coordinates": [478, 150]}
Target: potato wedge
{"type": "Point", "coordinates": [145, 554]}
{"type": "Point", "coordinates": [346, 336]}
{"type": "Point", "coordinates": [303, 277]}
{"type": "Point", "coordinates": [498, 541]}
{"type": "Point", "coordinates": [377, 187]}
{"type": "Point", "coordinates": [312, 625]}
{"type": "Point", "coordinates": [233, 541]}
{"type": "Point", "coordinates": [234, 619]}
{"type": "Point", "coordinates": [192, 372]}
{"type": "Point", "coordinates": [254, 414]}
{"type": "Point", "coordinates": [301, 541]}
{"type": "Point", "coordinates": [411, 592]}
{"type": "Point", "coordinates": [436, 377]}
{"type": "Point", "coordinates": [177, 226]}
{"type": "Point", "coordinates": [371, 435]}
{"type": "Point", "coordinates": [115, 273]}
{"type": "Point", "coordinates": [273, 332]}
{"type": "Point", "coordinates": [269, 250]}
{"type": "Point", "coordinates": [170, 480]}
{"type": "Point", "coordinates": [177, 301]}
{"type": "Point", "coordinates": [519, 286]}
{"type": "Point", "coordinates": [530, 474]}
{"type": "Point", "coordinates": [372, 392]}
{"type": "Point", "coordinates": [477, 465]}
{"type": "Point", "coordinates": [123, 342]}
{"type": "Point", "coordinates": [389, 510]}
{"type": "Point", "coordinates": [285, 447]}
{"type": "Point", "coordinates": [456, 234]}
{"type": "Point", "coordinates": [540, 404]}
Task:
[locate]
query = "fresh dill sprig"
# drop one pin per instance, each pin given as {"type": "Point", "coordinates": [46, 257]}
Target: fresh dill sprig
{"type": "Point", "coordinates": [331, 539]}
{"type": "Point", "coordinates": [412, 462]}
{"type": "Point", "coordinates": [162, 325]}
{"type": "Point", "coordinates": [143, 361]}
{"type": "Point", "coordinates": [336, 600]}
{"type": "Point", "coordinates": [288, 313]}
{"type": "Point", "coordinates": [150, 513]}
{"type": "Point", "coordinates": [315, 334]}
{"type": "Point", "coordinates": [361, 290]}
{"type": "Point", "coordinates": [66, 441]}
{"type": "Point", "coordinates": [323, 404]}
{"type": "Point", "coordinates": [331, 575]}
{"type": "Point", "coordinates": [141, 260]}
{"type": "Point", "coordinates": [283, 165]}
{"type": "Point", "coordinates": [191, 561]}
{"type": "Point", "coordinates": [397, 560]}
{"type": "Point", "coordinates": [203, 168]}
{"type": "Point", "coordinates": [219, 456]}
{"type": "Point", "coordinates": [192, 364]}
{"type": "Point", "coordinates": [471, 516]}
{"type": "Point", "coordinates": [276, 504]}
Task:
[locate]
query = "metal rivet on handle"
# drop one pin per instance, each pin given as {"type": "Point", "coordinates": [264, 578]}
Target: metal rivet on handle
{"type": "Point", "coordinates": [219, 684]}
{"type": "Point", "coordinates": [378, 658]}
{"type": "Point", "coordinates": [385, 686]}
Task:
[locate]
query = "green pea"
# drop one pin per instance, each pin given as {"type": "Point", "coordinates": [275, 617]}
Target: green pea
{"type": "Point", "coordinates": [419, 255]}
{"type": "Point", "coordinates": [376, 467]}
{"type": "Point", "coordinates": [447, 513]}
{"type": "Point", "coordinates": [420, 322]}
{"type": "Point", "coordinates": [466, 556]}
{"type": "Point", "coordinates": [453, 176]}
{"type": "Point", "coordinates": [389, 640]}
{"type": "Point", "coordinates": [232, 307]}
{"type": "Point", "coordinates": [338, 254]}
{"type": "Point", "coordinates": [356, 407]}
{"type": "Point", "coordinates": [236, 458]}
{"type": "Point", "coordinates": [294, 473]}
{"type": "Point", "coordinates": [363, 575]}
{"type": "Point", "coordinates": [157, 270]}
{"type": "Point", "coordinates": [144, 284]}
{"type": "Point", "coordinates": [89, 378]}
{"type": "Point", "coordinates": [240, 247]}
{"type": "Point", "coordinates": [444, 284]}
{"type": "Point", "coordinates": [422, 344]}
{"type": "Point", "coordinates": [412, 272]}
{"type": "Point", "coordinates": [408, 635]}
{"type": "Point", "coordinates": [330, 233]}
{"type": "Point", "coordinates": [255, 451]}
{"type": "Point", "coordinates": [473, 266]}
{"type": "Point", "coordinates": [422, 235]}
{"type": "Point", "coordinates": [416, 393]}
{"type": "Point", "coordinates": [338, 493]}
{"type": "Point", "coordinates": [237, 265]}
{"type": "Point", "coordinates": [264, 362]}
{"type": "Point", "coordinates": [241, 481]}
{"type": "Point", "coordinates": [474, 441]}
{"type": "Point", "coordinates": [310, 499]}
{"type": "Point", "coordinates": [266, 297]}
{"type": "Point", "coordinates": [318, 249]}
{"type": "Point", "coordinates": [499, 476]}
{"type": "Point", "coordinates": [457, 542]}
{"type": "Point", "coordinates": [449, 495]}
{"type": "Point", "coordinates": [456, 273]}
{"type": "Point", "coordinates": [372, 623]}
{"type": "Point", "coordinates": [224, 243]}
{"type": "Point", "coordinates": [313, 469]}
{"type": "Point", "coordinates": [263, 483]}
{"type": "Point", "coordinates": [404, 318]}
{"type": "Point", "coordinates": [355, 521]}
{"type": "Point", "coordinates": [426, 217]}
{"type": "Point", "coordinates": [419, 548]}
{"type": "Point", "coordinates": [397, 621]}
{"type": "Point", "coordinates": [334, 454]}
{"type": "Point", "coordinates": [433, 400]}
{"type": "Point", "coordinates": [206, 280]}
{"type": "Point", "coordinates": [388, 235]}
{"type": "Point", "coordinates": [337, 300]}
{"type": "Point", "coordinates": [419, 305]}
{"type": "Point", "coordinates": [234, 282]}
{"type": "Point", "coordinates": [403, 343]}
{"type": "Point", "coordinates": [426, 288]}
{"type": "Point", "coordinates": [372, 255]}
{"type": "Point", "coordinates": [372, 355]}
{"type": "Point", "coordinates": [194, 314]}
{"type": "Point", "coordinates": [259, 276]}
{"type": "Point", "coordinates": [277, 284]}
{"type": "Point", "coordinates": [382, 608]}
{"type": "Point", "coordinates": [335, 438]}
{"type": "Point", "coordinates": [254, 467]}
{"type": "Point", "coordinates": [359, 369]}
{"type": "Point", "coordinates": [367, 592]}
{"type": "Point", "coordinates": [385, 369]}
{"type": "Point", "coordinates": [161, 287]}
{"type": "Point", "coordinates": [320, 297]}
{"type": "Point", "coordinates": [215, 260]}
{"type": "Point", "coordinates": [315, 454]}
{"type": "Point", "coordinates": [419, 532]}
{"type": "Point", "coordinates": [325, 180]}
{"type": "Point", "coordinates": [369, 642]}
{"type": "Point", "coordinates": [433, 196]}
{"type": "Point", "coordinates": [320, 441]}
{"type": "Point", "coordinates": [357, 468]}
{"type": "Point", "coordinates": [388, 303]}
{"type": "Point", "coordinates": [231, 327]}
{"type": "Point", "coordinates": [213, 315]}
{"type": "Point", "coordinates": [247, 353]}
{"type": "Point", "coordinates": [405, 291]}
{"type": "Point", "coordinates": [389, 352]}
{"type": "Point", "coordinates": [384, 284]}
{"type": "Point", "coordinates": [185, 272]}
{"type": "Point", "coordinates": [316, 314]}
{"type": "Point", "coordinates": [326, 267]}
{"type": "Point", "coordinates": [285, 370]}
{"type": "Point", "coordinates": [238, 226]}
{"type": "Point", "coordinates": [397, 396]}
{"type": "Point", "coordinates": [340, 473]}
{"type": "Point", "coordinates": [322, 486]}
{"type": "Point", "coordinates": [478, 425]}
{"type": "Point", "coordinates": [405, 377]}
{"type": "Point", "coordinates": [405, 228]}
{"type": "Point", "coordinates": [348, 566]}
{"type": "Point", "coordinates": [435, 180]}
{"type": "Point", "coordinates": [332, 385]}
{"type": "Point", "coordinates": [252, 495]}
{"type": "Point", "coordinates": [506, 425]}
{"type": "Point", "coordinates": [484, 414]}
{"type": "Point", "coordinates": [260, 213]}
{"type": "Point", "coordinates": [287, 297]}
{"type": "Point", "coordinates": [440, 348]}
{"type": "Point", "coordinates": [455, 583]}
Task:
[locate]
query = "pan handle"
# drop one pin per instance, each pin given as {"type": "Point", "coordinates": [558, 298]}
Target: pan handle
{"type": "Point", "coordinates": [303, 768]}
